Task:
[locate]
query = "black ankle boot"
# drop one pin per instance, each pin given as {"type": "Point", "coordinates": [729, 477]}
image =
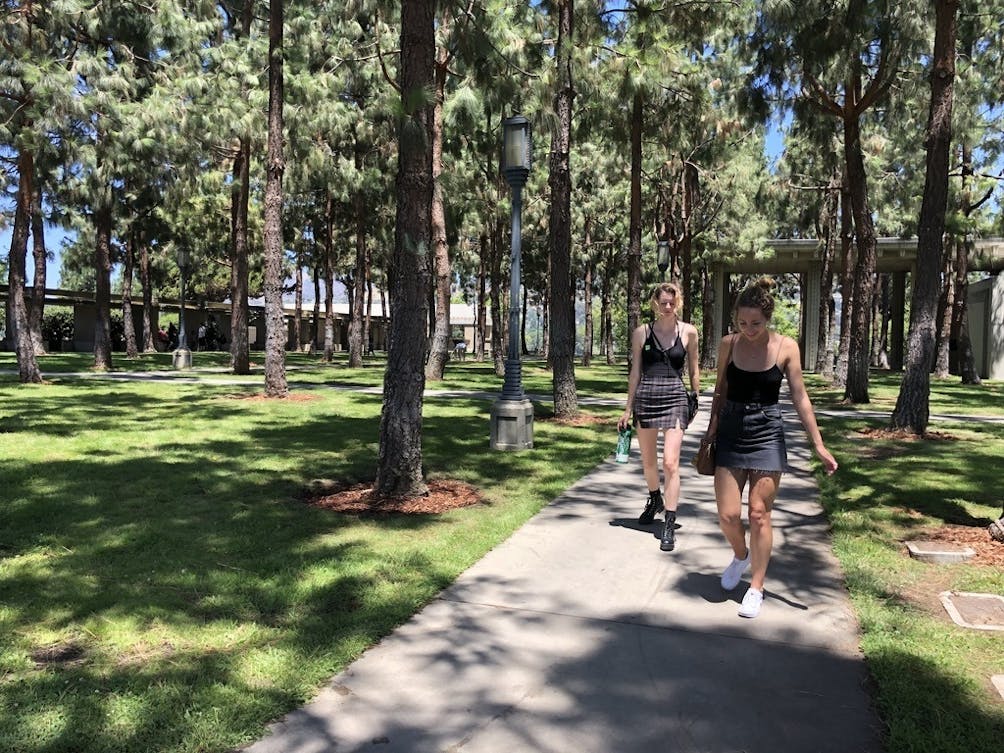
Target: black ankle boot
{"type": "Point", "coordinates": [653, 506]}
{"type": "Point", "coordinates": [668, 541]}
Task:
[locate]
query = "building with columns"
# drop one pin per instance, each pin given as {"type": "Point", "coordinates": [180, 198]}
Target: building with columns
{"type": "Point", "coordinates": [895, 256]}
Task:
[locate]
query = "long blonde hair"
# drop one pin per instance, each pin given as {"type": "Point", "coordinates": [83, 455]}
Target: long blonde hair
{"type": "Point", "coordinates": [665, 287]}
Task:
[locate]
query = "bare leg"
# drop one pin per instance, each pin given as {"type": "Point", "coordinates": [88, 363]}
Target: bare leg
{"type": "Point", "coordinates": [672, 439]}
{"type": "Point", "coordinates": [649, 458]}
{"type": "Point", "coordinates": [729, 483]}
{"type": "Point", "coordinates": [763, 489]}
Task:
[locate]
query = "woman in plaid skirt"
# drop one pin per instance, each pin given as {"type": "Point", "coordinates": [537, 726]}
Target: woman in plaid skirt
{"type": "Point", "coordinates": [658, 399]}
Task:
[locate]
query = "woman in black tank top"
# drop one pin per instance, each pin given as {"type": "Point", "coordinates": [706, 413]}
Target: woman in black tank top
{"type": "Point", "coordinates": [658, 401]}
{"type": "Point", "coordinates": [748, 429]}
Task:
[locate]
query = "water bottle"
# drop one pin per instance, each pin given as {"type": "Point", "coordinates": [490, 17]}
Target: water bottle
{"type": "Point", "coordinates": [623, 445]}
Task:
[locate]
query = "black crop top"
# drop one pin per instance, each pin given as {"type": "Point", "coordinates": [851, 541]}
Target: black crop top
{"type": "Point", "coordinates": [652, 353]}
{"type": "Point", "coordinates": [762, 387]}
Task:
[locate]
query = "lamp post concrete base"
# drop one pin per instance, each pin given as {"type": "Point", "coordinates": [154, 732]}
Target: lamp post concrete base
{"type": "Point", "coordinates": [182, 358]}
{"type": "Point", "coordinates": [512, 425]}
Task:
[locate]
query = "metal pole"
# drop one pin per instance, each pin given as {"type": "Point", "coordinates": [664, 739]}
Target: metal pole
{"type": "Point", "coordinates": [512, 387]}
{"type": "Point", "coordinates": [182, 339]}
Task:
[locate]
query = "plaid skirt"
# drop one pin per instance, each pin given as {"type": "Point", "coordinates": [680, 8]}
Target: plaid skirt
{"type": "Point", "coordinates": [751, 436]}
{"type": "Point", "coordinates": [660, 402]}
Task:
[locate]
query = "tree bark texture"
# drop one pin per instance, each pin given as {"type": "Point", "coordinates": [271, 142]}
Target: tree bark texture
{"type": "Point", "coordinates": [634, 226]}
{"type": "Point", "coordinates": [329, 282]}
{"type": "Point", "coordinates": [102, 220]}
{"type": "Point", "coordinates": [240, 355]}
{"type": "Point", "coordinates": [847, 261]}
{"type": "Point", "coordinates": [27, 363]}
{"type": "Point", "coordinates": [966, 360]}
{"type": "Point", "coordinates": [562, 301]}
{"type": "Point", "coordinates": [439, 350]}
{"type": "Point", "coordinates": [129, 328]}
{"type": "Point", "coordinates": [858, 357]}
{"type": "Point", "coordinates": [912, 409]}
{"type": "Point", "coordinates": [37, 308]}
{"type": "Point", "coordinates": [145, 283]}
{"type": "Point", "coordinates": [587, 297]}
{"type": "Point", "coordinates": [399, 468]}
{"type": "Point", "coordinates": [358, 291]}
{"type": "Point", "coordinates": [276, 334]}
{"type": "Point", "coordinates": [828, 225]}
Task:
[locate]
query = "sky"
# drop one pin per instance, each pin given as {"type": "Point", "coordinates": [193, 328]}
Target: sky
{"type": "Point", "coordinates": [53, 242]}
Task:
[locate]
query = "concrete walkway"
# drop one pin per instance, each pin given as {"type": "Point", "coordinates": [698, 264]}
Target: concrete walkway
{"type": "Point", "coordinates": [577, 635]}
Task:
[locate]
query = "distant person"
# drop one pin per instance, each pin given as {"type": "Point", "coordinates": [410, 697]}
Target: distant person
{"type": "Point", "coordinates": [748, 429]}
{"type": "Point", "coordinates": [172, 337]}
{"type": "Point", "coordinates": [661, 353]}
{"type": "Point", "coordinates": [200, 337]}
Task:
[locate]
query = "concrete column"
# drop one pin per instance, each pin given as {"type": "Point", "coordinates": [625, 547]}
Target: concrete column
{"type": "Point", "coordinates": [898, 308]}
{"type": "Point", "coordinates": [811, 281]}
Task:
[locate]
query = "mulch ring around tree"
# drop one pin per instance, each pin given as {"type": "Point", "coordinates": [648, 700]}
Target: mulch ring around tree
{"type": "Point", "coordinates": [989, 553]}
{"type": "Point", "coordinates": [443, 495]}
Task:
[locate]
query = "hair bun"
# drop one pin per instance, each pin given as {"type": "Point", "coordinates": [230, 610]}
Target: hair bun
{"type": "Point", "coordinates": [766, 283]}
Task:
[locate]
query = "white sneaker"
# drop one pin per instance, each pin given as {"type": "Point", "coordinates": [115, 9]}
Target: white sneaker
{"type": "Point", "coordinates": [735, 570]}
{"type": "Point", "coordinates": [751, 603]}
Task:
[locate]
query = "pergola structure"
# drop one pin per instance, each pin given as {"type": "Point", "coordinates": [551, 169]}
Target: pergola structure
{"type": "Point", "coordinates": [803, 256]}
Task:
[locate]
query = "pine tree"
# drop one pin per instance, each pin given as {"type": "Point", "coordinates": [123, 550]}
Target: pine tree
{"type": "Point", "coordinates": [399, 468]}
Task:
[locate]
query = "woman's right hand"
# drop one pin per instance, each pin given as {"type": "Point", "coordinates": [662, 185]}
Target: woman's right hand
{"type": "Point", "coordinates": [624, 421]}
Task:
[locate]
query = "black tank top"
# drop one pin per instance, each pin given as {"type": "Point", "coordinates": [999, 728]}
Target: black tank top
{"type": "Point", "coordinates": [762, 387]}
{"type": "Point", "coordinates": [653, 353]}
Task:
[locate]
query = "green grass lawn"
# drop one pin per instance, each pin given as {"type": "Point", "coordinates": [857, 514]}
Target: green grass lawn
{"type": "Point", "coordinates": [165, 587]}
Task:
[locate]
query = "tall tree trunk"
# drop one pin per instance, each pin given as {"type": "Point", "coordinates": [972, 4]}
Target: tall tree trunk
{"type": "Point", "coordinates": [483, 265]}
{"type": "Point", "coordinates": [709, 338]}
{"type": "Point", "coordinates": [240, 190]}
{"type": "Point", "coordinates": [587, 296]}
{"type": "Point", "coordinates": [943, 350]}
{"type": "Point", "coordinates": [367, 335]}
{"type": "Point", "coordinates": [128, 325]}
{"type": "Point", "coordinates": [966, 357]}
{"type": "Point", "coordinates": [329, 280]}
{"type": "Point", "coordinates": [634, 226]}
{"type": "Point", "coordinates": [824, 347]}
{"type": "Point", "coordinates": [149, 324]}
{"type": "Point", "coordinates": [315, 321]}
{"type": "Point", "coordinates": [606, 317]}
{"type": "Point", "coordinates": [358, 289]}
{"type": "Point", "coordinates": [27, 363]}
{"type": "Point", "coordinates": [847, 262]}
{"type": "Point", "coordinates": [912, 406]}
{"type": "Point", "coordinates": [960, 317]}
{"type": "Point", "coordinates": [103, 288]}
{"type": "Point", "coordinates": [276, 333]}
{"type": "Point", "coordinates": [39, 255]}
{"type": "Point", "coordinates": [562, 302]}
{"type": "Point", "coordinates": [858, 357]}
{"type": "Point", "coordinates": [440, 260]}
{"type": "Point", "coordinates": [497, 288]}
{"type": "Point", "coordinates": [298, 303]}
{"type": "Point", "coordinates": [399, 466]}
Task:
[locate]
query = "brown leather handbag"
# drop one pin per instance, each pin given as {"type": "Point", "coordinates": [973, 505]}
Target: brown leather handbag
{"type": "Point", "coordinates": [704, 458]}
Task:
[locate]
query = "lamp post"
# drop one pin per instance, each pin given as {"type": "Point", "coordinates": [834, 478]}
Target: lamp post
{"type": "Point", "coordinates": [182, 356]}
{"type": "Point", "coordinates": [662, 257]}
{"type": "Point", "coordinates": [512, 413]}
